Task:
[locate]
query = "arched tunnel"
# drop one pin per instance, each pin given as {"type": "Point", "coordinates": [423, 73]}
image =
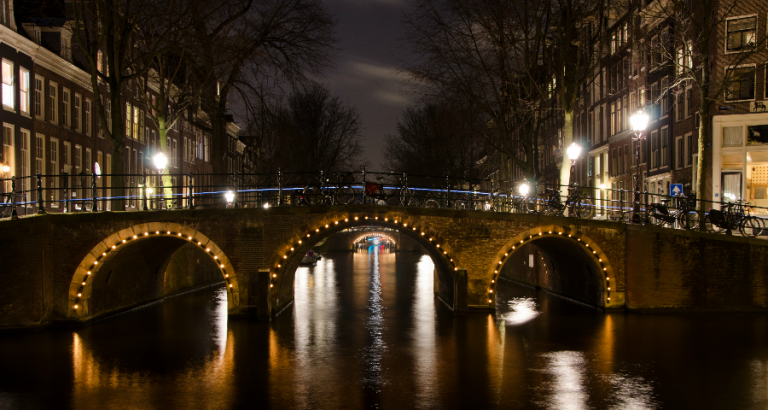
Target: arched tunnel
{"type": "Point", "coordinates": [144, 270]}
{"type": "Point", "coordinates": [338, 238]}
{"type": "Point", "coordinates": [558, 265]}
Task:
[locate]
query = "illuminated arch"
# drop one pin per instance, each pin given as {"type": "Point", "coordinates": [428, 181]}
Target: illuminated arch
{"type": "Point", "coordinates": [80, 288]}
{"type": "Point", "coordinates": [591, 249]}
{"type": "Point", "coordinates": [377, 234]}
{"type": "Point", "coordinates": [288, 253]}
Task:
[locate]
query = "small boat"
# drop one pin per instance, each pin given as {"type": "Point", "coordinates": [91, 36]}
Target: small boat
{"type": "Point", "coordinates": [310, 259]}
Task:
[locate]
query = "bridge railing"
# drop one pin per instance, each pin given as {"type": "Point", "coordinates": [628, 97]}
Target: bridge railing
{"type": "Point", "coordinates": [139, 192]}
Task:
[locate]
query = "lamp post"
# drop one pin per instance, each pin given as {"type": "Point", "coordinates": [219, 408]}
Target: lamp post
{"type": "Point", "coordinates": [574, 151]}
{"type": "Point", "coordinates": [230, 197]}
{"type": "Point", "coordinates": [639, 121]}
{"type": "Point", "coordinates": [160, 161]}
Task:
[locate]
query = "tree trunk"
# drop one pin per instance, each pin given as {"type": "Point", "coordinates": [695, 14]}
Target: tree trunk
{"type": "Point", "coordinates": [565, 165]}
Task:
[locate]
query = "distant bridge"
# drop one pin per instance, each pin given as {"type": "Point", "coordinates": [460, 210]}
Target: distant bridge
{"type": "Point", "coordinates": [57, 267]}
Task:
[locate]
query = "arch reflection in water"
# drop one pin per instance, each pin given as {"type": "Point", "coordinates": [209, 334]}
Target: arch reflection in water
{"type": "Point", "coordinates": [103, 378]}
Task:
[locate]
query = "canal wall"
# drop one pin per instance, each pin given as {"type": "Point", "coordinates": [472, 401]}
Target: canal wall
{"type": "Point", "coordinates": [665, 270]}
{"type": "Point", "coordinates": [675, 269]}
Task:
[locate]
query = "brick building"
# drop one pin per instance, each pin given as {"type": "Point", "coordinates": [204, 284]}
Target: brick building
{"type": "Point", "coordinates": [635, 73]}
{"type": "Point", "coordinates": [50, 125]}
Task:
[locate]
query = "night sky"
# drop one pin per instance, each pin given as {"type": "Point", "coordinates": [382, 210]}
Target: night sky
{"type": "Point", "coordinates": [369, 33]}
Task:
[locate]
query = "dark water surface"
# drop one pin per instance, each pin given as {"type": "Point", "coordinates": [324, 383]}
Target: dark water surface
{"type": "Point", "coordinates": [366, 332]}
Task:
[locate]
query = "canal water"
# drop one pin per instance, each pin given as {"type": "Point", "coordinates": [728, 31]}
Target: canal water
{"type": "Point", "coordinates": [365, 331]}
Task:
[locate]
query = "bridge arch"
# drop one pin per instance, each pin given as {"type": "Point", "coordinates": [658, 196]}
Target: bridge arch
{"type": "Point", "coordinates": [564, 239]}
{"type": "Point", "coordinates": [161, 238]}
{"type": "Point", "coordinates": [288, 255]}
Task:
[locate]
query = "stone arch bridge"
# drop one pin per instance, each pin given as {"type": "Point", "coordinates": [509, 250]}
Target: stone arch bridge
{"type": "Point", "coordinates": [58, 267]}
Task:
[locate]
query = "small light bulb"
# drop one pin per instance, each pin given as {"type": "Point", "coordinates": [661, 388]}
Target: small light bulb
{"type": "Point", "coordinates": [230, 285]}
{"type": "Point", "coordinates": [291, 248]}
{"type": "Point", "coordinates": [226, 275]}
{"type": "Point", "coordinates": [95, 262]}
{"type": "Point", "coordinates": [274, 275]}
{"type": "Point", "coordinates": [134, 236]}
{"type": "Point", "coordinates": [113, 246]}
{"type": "Point", "coordinates": [222, 266]}
{"type": "Point", "coordinates": [157, 232]}
{"type": "Point", "coordinates": [123, 240]}
{"type": "Point", "coordinates": [270, 285]}
{"type": "Point", "coordinates": [146, 233]}
{"type": "Point", "coordinates": [80, 294]}
{"type": "Point", "coordinates": [88, 273]}
{"type": "Point", "coordinates": [299, 241]}
{"type": "Point", "coordinates": [76, 306]}
{"type": "Point", "coordinates": [207, 249]}
{"type": "Point", "coordinates": [355, 218]}
{"type": "Point", "coordinates": [83, 283]}
{"type": "Point", "coordinates": [104, 254]}
{"type": "Point", "coordinates": [491, 290]}
{"type": "Point", "coordinates": [335, 222]}
{"type": "Point", "coordinates": [215, 257]}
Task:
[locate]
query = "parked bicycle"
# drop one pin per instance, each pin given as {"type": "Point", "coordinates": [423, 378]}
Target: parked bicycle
{"type": "Point", "coordinates": [580, 206]}
{"type": "Point", "coordinates": [660, 214]}
{"type": "Point", "coordinates": [735, 215]}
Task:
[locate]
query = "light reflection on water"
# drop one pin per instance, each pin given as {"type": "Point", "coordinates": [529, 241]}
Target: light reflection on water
{"type": "Point", "coordinates": [365, 331]}
{"type": "Point", "coordinates": [521, 310]}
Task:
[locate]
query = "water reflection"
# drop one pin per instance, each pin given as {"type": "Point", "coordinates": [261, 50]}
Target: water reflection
{"type": "Point", "coordinates": [112, 376]}
{"type": "Point", "coordinates": [566, 390]}
{"type": "Point", "coordinates": [365, 331]}
{"type": "Point", "coordinates": [424, 333]}
{"type": "Point", "coordinates": [521, 310]}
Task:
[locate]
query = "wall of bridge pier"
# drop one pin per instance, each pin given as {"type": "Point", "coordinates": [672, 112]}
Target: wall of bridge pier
{"type": "Point", "coordinates": [74, 268]}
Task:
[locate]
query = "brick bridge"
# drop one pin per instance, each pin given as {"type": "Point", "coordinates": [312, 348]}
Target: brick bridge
{"type": "Point", "coordinates": [78, 267]}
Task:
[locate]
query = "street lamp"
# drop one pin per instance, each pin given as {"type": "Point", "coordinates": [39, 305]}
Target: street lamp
{"type": "Point", "coordinates": [524, 189]}
{"type": "Point", "coordinates": [230, 197]}
{"type": "Point", "coordinates": [573, 154]}
{"type": "Point", "coordinates": [639, 121]}
{"type": "Point", "coordinates": [160, 161]}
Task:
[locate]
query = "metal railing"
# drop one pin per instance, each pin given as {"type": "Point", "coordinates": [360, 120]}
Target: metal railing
{"type": "Point", "coordinates": [145, 192]}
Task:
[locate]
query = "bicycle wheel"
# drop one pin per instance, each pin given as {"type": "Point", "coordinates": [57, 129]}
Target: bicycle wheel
{"type": "Point", "coordinates": [751, 226]}
{"type": "Point", "coordinates": [344, 195]}
{"type": "Point", "coordinates": [710, 227]}
{"type": "Point", "coordinates": [551, 208]}
{"type": "Point", "coordinates": [460, 204]}
{"type": "Point", "coordinates": [583, 208]}
{"type": "Point", "coordinates": [431, 203]}
{"type": "Point", "coordinates": [311, 195]}
{"type": "Point", "coordinates": [689, 220]}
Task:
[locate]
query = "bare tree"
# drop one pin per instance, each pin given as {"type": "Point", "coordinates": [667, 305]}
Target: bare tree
{"type": "Point", "coordinates": [575, 40]}
{"type": "Point", "coordinates": [106, 32]}
{"type": "Point", "coordinates": [693, 48]}
{"type": "Point", "coordinates": [241, 42]}
{"type": "Point", "coordinates": [435, 139]}
{"type": "Point", "coordinates": [486, 55]}
{"type": "Point", "coordinates": [311, 131]}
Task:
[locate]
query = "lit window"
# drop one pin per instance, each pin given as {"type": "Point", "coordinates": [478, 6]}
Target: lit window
{"type": "Point", "coordinates": [741, 33]}
{"type": "Point", "coordinates": [24, 91]}
{"type": "Point", "coordinates": [8, 84]}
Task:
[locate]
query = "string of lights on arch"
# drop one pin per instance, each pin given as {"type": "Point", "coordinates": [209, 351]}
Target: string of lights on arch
{"type": "Point", "coordinates": [95, 265]}
{"type": "Point", "coordinates": [398, 222]}
{"type": "Point", "coordinates": [601, 260]}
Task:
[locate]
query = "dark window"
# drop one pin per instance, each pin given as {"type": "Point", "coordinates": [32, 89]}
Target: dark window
{"type": "Point", "coordinates": [742, 84]}
{"type": "Point", "coordinates": [757, 134]}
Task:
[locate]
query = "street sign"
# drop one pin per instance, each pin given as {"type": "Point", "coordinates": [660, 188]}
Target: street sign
{"type": "Point", "coordinates": [676, 189]}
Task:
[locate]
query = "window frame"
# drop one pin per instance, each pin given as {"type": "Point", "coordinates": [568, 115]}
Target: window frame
{"type": "Point", "coordinates": [753, 67]}
{"type": "Point", "coordinates": [24, 105]}
{"type": "Point", "coordinates": [53, 102]}
{"type": "Point", "coordinates": [9, 87]}
{"type": "Point", "coordinates": [728, 32]}
{"type": "Point", "coordinates": [40, 96]}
